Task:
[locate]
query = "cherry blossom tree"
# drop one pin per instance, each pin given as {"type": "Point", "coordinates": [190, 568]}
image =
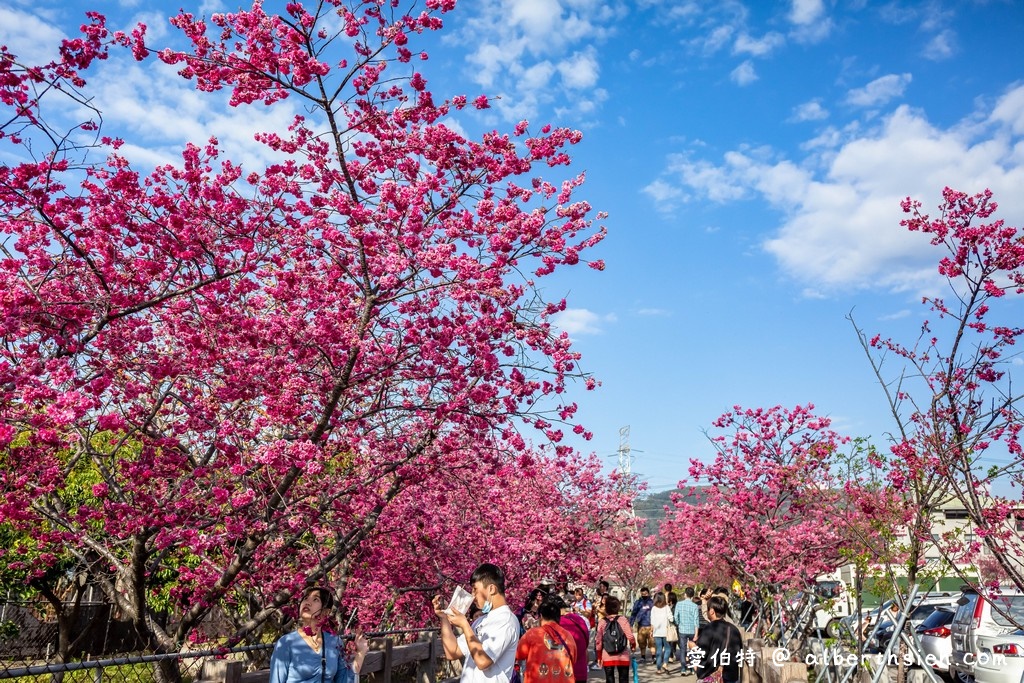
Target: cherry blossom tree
{"type": "Point", "coordinates": [956, 412]}
{"type": "Point", "coordinates": [770, 507]}
{"type": "Point", "coordinates": [535, 516]}
{"type": "Point", "coordinates": [256, 366]}
{"type": "Point", "coordinates": [625, 556]}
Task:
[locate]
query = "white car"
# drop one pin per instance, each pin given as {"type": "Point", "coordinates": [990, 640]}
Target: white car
{"type": "Point", "coordinates": [1000, 658]}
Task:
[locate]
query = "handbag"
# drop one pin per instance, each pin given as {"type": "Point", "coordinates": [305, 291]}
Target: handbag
{"type": "Point", "coordinates": [672, 635]}
{"type": "Point", "coordinates": [715, 677]}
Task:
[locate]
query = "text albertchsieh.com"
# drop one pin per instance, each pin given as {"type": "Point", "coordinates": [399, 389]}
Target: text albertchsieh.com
{"type": "Point", "coordinates": [782, 655]}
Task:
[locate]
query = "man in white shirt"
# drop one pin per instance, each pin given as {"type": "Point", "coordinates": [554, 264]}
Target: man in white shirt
{"type": "Point", "coordinates": [489, 643]}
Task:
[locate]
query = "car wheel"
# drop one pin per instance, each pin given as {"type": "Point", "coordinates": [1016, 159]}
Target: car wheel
{"type": "Point", "coordinates": [961, 677]}
{"type": "Point", "coordinates": [832, 629]}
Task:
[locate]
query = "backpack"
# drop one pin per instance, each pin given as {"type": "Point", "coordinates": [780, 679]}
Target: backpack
{"type": "Point", "coordinates": [614, 640]}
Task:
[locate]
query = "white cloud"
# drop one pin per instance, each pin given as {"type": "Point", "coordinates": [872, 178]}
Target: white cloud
{"type": "Point", "coordinates": [806, 12]}
{"type": "Point", "coordinates": [521, 44]}
{"type": "Point", "coordinates": [809, 111]}
{"type": "Point", "coordinates": [535, 17]}
{"type": "Point", "coordinates": [840, 208]}
{"type": "Point", "coordinates": [580, 71]}
{"type": "Point", "coordinates": [879, 91]}
{"type": "Point", "coordinates": [898, 315]}
{"type": "Point", "coordinates": [31, 39]}
{"type": "Point", "coordinates": [715, 182]}
{"type": "Point", "coordinates": [942, 46]}
{"type": "Point", "coordinates": [580, 321]}
{"type": "Point", "coordinates": [1009, 111]}
{"type": "Point", "coordinates": [162, 111]}
{"type": "Point", "coordinates": [654, 312]}
{"type": "Point", "coordinates": [758, 47]}
{"type": "Point", "coordinates": [666, 196]}
{"type": "Point", "coordinates": [716, 40]}
{"type": "Point", "coordinates": [538, 76]}
{"type": "Point", "coordinates": [744, 74]}
{"type": "Point", "coordinates": [812, 33]}
{"type": "Point", "coordinates": [810, 24]}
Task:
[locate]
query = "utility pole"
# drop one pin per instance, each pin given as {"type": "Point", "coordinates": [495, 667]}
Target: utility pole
{"type": "Point", "coordinates": [624, 455]}
{"type": "Point", "coordinates": [625, 464]}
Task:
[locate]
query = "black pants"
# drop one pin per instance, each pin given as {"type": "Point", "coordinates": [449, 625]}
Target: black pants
{"type": "Point", "coordinates": [609, 673]}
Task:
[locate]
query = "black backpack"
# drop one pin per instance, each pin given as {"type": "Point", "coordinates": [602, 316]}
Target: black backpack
{"type": "Point", "coordinates": [614, 640]}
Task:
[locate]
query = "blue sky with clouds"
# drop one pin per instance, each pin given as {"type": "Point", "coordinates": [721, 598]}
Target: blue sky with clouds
{"type": "Point", "coordinates": [751, 157]}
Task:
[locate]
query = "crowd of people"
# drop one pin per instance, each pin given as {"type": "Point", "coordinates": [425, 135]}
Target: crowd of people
{"type": "Point", "coordinates": [556, 636]}
{"type": "Point", "coordinates": [555, 633]}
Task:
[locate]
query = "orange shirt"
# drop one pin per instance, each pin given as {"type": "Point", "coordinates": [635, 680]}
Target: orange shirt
{"type": "Point", "coordinates": [544, 649]}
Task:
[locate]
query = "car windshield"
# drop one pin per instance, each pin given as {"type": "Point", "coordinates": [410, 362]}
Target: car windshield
{"type": "Point", "coordinates": [1008, 610]}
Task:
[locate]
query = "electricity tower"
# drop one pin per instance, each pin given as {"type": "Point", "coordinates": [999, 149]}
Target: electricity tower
{"type": "Point", "coordinates": [625, 457]}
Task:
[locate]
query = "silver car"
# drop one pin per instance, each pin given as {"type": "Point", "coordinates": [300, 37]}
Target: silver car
{"type": "Point", "coordinates": [936, 643]}
{"type": "Point", "coordinates": [975, 618]}
{"type": "Point", "coordinates": [1000, 658]}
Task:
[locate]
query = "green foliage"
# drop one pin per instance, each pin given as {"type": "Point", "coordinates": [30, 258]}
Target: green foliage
{"type": "Point", "coordinates": [9, 630]}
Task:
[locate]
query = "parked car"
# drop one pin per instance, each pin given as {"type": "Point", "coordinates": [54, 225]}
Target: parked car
{"type": "Point", "coordinates": [976, 618]}
{"type": "Point", "coordinates": [1000, 658]}
{"type": "Point", "coordinates": [919, 614]}
{"type": "Point", "coordinates": [936, 639]}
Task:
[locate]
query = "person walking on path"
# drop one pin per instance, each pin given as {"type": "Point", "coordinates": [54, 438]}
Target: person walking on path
{"type": "Point", "coordinates": [673, 645]}
{"type": "Point", "coordinates": [613, 662]}
{"type": "Point", "coordinates": [599, 614]}
{"type": "Point", "coordinates": [488, 645]}
{"type": "Point", "coordinates": [687, 616]}
{"type": "Point", "coordinates": [719, 643]}
{"type": "Point", "coordinates": [580, 630]}
{"type": "Point", "coordinates": [640, 620]}
{"type": "Point", "coordinates": [661, 617]}
{"type": "Point", "coordinates": [547, 653]}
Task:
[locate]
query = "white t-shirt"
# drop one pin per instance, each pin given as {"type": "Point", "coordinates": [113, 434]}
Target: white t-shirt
{"type": "Point", "coordinates": [498, 633]}
{"type": "Point", "coordinates": [660, 616]}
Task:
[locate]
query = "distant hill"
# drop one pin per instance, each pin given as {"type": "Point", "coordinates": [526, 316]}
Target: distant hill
{"type": "Point", "coordinates": [651, 507]}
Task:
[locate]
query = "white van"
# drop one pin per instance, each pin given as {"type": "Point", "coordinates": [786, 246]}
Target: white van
{"type": "Point", "coordinates": [975, 617]}
{"type": "Point", "coordinates": [835, 603]}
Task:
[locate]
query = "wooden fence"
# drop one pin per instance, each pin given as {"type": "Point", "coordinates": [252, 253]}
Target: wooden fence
{"type": "Point", "coordinates": [382, 659]}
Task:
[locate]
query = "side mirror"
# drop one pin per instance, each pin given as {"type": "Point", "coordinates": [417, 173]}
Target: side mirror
{"type": "Point", "coordinates": [962, 600]}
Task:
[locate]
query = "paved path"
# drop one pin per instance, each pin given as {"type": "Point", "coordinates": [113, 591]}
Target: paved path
{"type": "Point", "coordinates": [648, 674]}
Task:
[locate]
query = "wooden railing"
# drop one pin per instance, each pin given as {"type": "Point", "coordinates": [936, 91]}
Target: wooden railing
{"type": "Point", "coordinates": [383, 658]}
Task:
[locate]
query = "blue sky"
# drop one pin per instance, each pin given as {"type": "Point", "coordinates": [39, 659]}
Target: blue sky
{"type": "Point", "coordinates": [751, 157]}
